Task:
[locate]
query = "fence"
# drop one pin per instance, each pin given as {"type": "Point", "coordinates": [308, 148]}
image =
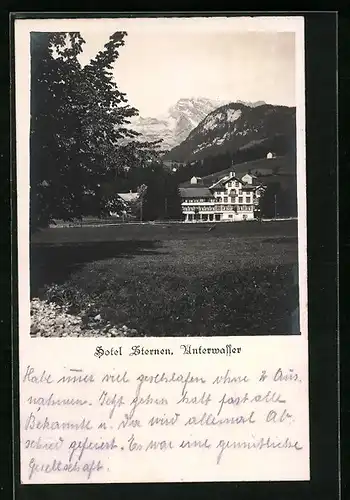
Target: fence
{"type": "Point", "coordinates": [109, 222]}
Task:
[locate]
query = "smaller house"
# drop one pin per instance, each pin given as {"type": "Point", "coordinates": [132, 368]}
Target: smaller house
{"type": "Point", "coordinates": [128, 197]}
{"type": "Point", "coordinates": [196, 180]}
{"type": "Point", "coordinates": [250, 179]}
{"type": "Point", "coordinates": [126, 201]}
{"type": "Point", "coordinates": [270, 155]}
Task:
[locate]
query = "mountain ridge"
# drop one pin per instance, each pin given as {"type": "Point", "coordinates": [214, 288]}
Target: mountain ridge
{"type": "Point", "coordinates": [237, 127]}
{"type": "Point", "coordinates": [176, 123]}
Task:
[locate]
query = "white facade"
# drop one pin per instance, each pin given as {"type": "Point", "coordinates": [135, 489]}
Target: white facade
{"type": "Point", "coordinates": [228, 200]}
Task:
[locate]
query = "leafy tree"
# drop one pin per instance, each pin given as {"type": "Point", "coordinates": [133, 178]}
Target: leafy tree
{"type": "Point", "coordinates": [79, 136]}
{"type": "Point", "coordinates": [162, 199]}
{"type": "Point", "coordinates": [173, 209]}
{"type": "Point", "coordinates": [136, 207]}
{"type": "Point", "coordinates": [154, 201]}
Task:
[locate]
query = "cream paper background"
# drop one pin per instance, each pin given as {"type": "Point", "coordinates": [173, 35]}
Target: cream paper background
{"type": "Point", "coordinates": [258, 353]}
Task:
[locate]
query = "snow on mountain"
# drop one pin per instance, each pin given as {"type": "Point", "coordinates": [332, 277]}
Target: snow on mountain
{"type": "Point", "coordinates": [176, 124]}
{"type": "Point", "coordinates": [237, 126]}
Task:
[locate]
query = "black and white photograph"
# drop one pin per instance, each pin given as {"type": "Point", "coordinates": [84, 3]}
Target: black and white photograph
{"type": "Point", "coordinates": [162, 217]}
{"type": "Point", "coordinates": [165, 181]}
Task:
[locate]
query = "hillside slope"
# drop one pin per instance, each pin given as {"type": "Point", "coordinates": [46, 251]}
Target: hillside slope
{"type": "Point", "coordinates": [238, 127]}
{"type": "Point", "coordinates": [279, 169]}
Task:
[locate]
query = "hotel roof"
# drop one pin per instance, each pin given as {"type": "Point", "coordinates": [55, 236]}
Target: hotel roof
{"type": "Point", "coordinates": [195, 192]}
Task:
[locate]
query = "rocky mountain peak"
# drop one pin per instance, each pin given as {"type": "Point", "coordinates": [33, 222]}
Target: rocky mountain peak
{"type": "Point", "coordinates": [237, 126]}
{"type": "Point", "coordinates": [175, 125]}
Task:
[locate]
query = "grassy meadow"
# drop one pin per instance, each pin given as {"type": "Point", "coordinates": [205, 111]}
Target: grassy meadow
{"type": "Point", "coordinates": [174, 279]}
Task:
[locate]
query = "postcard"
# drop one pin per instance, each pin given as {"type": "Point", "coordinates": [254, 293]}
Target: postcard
{"type": "Point", "coordinates": [162, 259]}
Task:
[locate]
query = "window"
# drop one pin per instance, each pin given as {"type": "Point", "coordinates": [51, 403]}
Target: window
{"type": "Point", "coordinates": [211, 216]}
{"type": "Point", "coordinates": [247, 199]}
{"type": "Point", "coordinates": [219, 199]}
{"type": "Point", "coordinates": [240, 199]}
{"type": "Point", "coordinates": [236, 183]}
{"type": "Point", "coordinates": [240, 191]}
{"type": "Point", "coordinates": [230, 216]}
{"type": "Point", "coordinates": [225, 199]}
{"type": "Point", "coordinates": [205, 216]}
{"type": "Point", "coordinates": [229, 184]}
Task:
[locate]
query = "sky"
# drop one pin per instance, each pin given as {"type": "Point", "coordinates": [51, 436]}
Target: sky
{"type": "Point", "coordinates": [161, 63]}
